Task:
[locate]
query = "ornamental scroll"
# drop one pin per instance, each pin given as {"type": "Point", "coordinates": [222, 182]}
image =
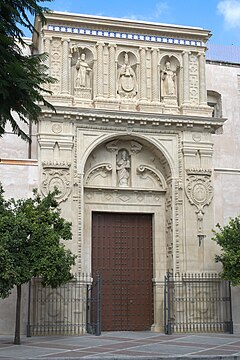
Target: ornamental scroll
{"type": "Point", "coordinates": [199, 191]}
{"type": "Point", "coordinates": [56, 175]}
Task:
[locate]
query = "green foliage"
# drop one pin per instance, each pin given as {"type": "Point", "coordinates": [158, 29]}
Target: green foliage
{"type": "Point", "coordinates": [228, 237]}
{"type": "Point", "coordinates": [31, 231]}
{"type": "Point", "coordinates": [22, 78]}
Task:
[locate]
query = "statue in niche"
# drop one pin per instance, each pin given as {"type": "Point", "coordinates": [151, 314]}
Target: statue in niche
{"type": "Point", "coordinates": [123, 168]}
{"type": "Point", "coordinates": [127, 82]}
{"type": "Point", "coordinates": [83, 72]}
{"type": "Point", "coordinates": [168, 77]}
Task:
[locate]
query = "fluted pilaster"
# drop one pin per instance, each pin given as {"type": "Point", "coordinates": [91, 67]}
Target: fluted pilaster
{"type": "Point", "coordinates": [65, 67]}
{"type": "Point", "coordinates": [112, 70]}
{"type": "Point", "coordinates": [155, 76]}
{"type": "Point", "coordinates": [202, 80]}
{"type": "Point", "coordinates": [143, 79]}
{"type": "Point", "coordinates": [185, 77]}
{"type": "Point", "coordinates": [100, 46]}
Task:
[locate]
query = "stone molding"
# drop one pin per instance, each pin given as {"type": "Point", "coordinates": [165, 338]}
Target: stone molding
{"type": "Point", "coordinates": [126, 118]}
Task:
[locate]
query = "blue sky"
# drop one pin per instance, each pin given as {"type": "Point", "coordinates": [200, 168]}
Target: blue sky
{"type": "Point", "coordinates": [222, 17]}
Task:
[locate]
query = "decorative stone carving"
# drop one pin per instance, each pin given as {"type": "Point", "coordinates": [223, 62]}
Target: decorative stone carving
{"type": "Point", "coordinates": [56, 65]}
{"type": "Point", "coordinates": [127, 82]}
{"type": "Point", "coordinates": [147, 171]}
{"type": "Point", "coordinates": [57, 128]}
{"type": "Point", "coordinates": [169, 82]}
{"type": "Point", "coordinates": [112, 146]}
{"type": "Point", "coordinates": [199, 191]}
{"type": "Point", "coordinates": [123, 168]}
{"type": "Point", "coordinates": [83, 71]}
{"type": "Point", "coordinates": [135, 147]}
{"type": "Point", "coordinates": [56, 175]}
{"type": "Point", "coordinates": [102, 170]}
{"type": "Point", "coordinates": [193, 79]}
{"type": "Point", "coordinates": [83, 60]}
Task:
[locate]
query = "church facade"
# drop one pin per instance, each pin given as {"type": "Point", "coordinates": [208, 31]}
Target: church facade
{"type": "Point", "coordinates": [131, 149]}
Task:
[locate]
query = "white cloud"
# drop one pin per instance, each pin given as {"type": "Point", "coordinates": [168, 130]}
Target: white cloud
{"type": "Point", "coordinates": [230, 9]}
{"type": "Point", "coordinates": [160, 9]}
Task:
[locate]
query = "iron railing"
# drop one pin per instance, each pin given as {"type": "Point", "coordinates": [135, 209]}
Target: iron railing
{"type": "Point", "coordinates": [65, 310]}
{"type": "Point", "coordinates": [197, 303]}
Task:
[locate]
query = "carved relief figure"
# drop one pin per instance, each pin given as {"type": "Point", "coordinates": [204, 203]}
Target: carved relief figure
{"type": "Point", "coordinates": [123, 168]}
{"type": "Point", "coordinates": [127, 83]}
{"type": "Point", "coordinates": [168, 77]}
{"type": "Point", "coordinates": [83, 72]}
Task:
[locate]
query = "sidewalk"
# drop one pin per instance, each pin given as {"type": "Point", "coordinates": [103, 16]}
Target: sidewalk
{"type": "Point", "coordinates": [120, 345]}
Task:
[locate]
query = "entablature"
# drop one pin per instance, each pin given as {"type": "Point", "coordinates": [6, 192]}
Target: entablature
{"type": "Point", "coordinates": [134, 120]}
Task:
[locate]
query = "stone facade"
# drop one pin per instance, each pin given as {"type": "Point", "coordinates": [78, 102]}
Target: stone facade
{"type": "Point", "coordinates": [133, 132]}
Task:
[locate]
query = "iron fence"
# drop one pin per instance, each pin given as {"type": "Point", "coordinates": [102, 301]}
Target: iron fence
{"type": "Point", "coordinates": [197, 303]}
{"type": "Point", "coordinates": [71, 309]}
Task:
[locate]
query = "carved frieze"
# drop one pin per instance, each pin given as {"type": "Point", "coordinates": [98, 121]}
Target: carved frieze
{"type": "Point", "coordinates": [56, 175]}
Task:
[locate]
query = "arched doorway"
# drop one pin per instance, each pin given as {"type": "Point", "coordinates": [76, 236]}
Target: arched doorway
{"type": "Point", "coordinates": [127, 195]}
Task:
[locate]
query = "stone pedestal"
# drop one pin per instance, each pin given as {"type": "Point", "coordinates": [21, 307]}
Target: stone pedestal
{"type": "Point", "coordinates": [82, 92]}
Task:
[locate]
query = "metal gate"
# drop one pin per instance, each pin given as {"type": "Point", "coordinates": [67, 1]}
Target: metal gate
{"type": "Point", "coordinates": [71, 309]}
{"type": "Point", "coordinates": [197, 303]}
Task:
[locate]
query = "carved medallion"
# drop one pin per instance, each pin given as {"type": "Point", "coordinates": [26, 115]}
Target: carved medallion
{"type": "Point", "coordinates": [56, 175]}
{"type": "Point", "coordinates": [199, 191]}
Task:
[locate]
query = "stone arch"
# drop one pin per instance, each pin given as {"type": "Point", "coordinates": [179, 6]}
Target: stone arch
{"type": "Point", "coordinates": [127, 157]}
{"type": "Point", "coordinates": [155, 146]}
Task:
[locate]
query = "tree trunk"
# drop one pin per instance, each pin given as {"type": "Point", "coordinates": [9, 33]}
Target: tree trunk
{"type": "Point", "coordinates": [18, 313]}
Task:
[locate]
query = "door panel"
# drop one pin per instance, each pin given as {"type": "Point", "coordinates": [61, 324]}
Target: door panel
{"type": "Point", "coordinates": [122, 253]}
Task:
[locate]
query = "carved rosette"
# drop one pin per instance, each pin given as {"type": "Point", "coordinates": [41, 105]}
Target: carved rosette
{"type": "Point", "coordinates": [199, 191]}
{"type": "Point", "coordinates": [56, 175]}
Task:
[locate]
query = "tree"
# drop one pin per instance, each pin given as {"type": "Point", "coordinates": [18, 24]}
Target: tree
{"type": "Point", "coordinates": [228, 237]}
{"type": "Point", "coordinates": [31, 231]}
{"type": "Point", "coordinates": [22, 78]}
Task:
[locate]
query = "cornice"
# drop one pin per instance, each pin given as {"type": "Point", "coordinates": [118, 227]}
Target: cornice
{"type": "Point", "coordinates": [126, 118]}
{"type": "Point", "coordinates": [107, 27]}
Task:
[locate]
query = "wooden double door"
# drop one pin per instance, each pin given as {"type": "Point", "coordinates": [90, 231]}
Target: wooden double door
{"type": "Point", "coordinates": [122, 254]}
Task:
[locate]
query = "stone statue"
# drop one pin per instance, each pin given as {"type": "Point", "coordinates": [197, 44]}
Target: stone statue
{"type": "Point", "coordinates": [123, 167]}
{"type": "Point", "coordinates": [83, 72]}
{"type": "Point", "coordinates": [168, 78]}
{"type": "Point", "coordinates": [127, 83]}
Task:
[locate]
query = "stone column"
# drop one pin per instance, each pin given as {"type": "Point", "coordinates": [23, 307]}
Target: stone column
{"type": "Point", "coordinates": [185, 77]}
{"type": "Point", "coordinates": [143, 78]}
{"type": "Point", "coordinates": [202, 80]}
{"type": "Point", "coordinates": [65, 67]}
{"type": "Point", "coordinates": [100, 46]}
{"type": "Point", "coordinates": [112, 70]}
{"type": "Point", "coordinates": [155, 76]}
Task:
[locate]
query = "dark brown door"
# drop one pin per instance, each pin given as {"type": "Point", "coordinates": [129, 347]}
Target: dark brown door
{"type": "Point", "coordinates": [122, 253]}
